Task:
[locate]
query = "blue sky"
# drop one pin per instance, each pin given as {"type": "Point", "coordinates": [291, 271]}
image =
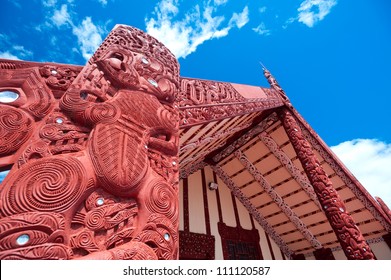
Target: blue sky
{"type": "Point", "coordinates": [332, 57]}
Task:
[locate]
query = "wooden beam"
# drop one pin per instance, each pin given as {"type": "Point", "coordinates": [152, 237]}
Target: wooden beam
{"type": "Point", "coordinates": [252, 209]}
{"type": "Point", "coordinates": [299, 224]}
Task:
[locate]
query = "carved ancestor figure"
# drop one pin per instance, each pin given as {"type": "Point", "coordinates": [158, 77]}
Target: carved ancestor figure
{"type": "Point", "coordinates": [95, 169]}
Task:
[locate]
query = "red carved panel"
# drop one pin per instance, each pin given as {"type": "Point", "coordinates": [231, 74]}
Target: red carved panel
{"type": "Point", "coordinates": [348, 234]}
{"type": "Point", "coordinates": [239, 243]}
{"type": "Point", "coordinates": [202, 101]}
{"type": "Point", "coordinates": [196, 246]}
{"type": "Point", "coordinates": [94, 155]}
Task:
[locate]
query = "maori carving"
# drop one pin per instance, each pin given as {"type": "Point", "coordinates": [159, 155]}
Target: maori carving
{"type": "Point", "coordinates": [202, 101]}
{"type": "Point", "coordinates": [196, 246]}
{"type": "Point", "coordinates": [58, 78]}
{"type": "Point", "coordinates": [262, 126]}
{"type": "Point", "coordinates": [196, 92]}
{"type": "Point", "coordinates": [274, 84]}
{"type": "Point", "coordinates": [344, 174]}
{"type": "Point", "coordinates": [252, 210]}
{"type": "Point", "coordinates": [94, 156]}
{"type": "Point", "coordinates": [293, 170]}
{"type": "Point", "coordinates": [15, 129]}
{"type": "Point", "coordinates": [186, 172]}
{"type": "Point", "coordinates": [384, 206]}
{"type": "Point", "coordinates": [348, 234]}
{"type": "Point", "coordinates": [239, 243]}
{"type": "Point", "coordinates": [278, 200]}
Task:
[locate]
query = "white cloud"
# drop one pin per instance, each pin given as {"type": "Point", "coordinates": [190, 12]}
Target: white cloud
{"type": "Point", "coordinates": [12, 51]}
{"type": "Point", "coordinates": [88, 36]}
{"type": "Point", "coordinates": [49, 3]}
{"type": "Point", "coordinates": [312, 11]}
{"type": "Point", "coordinates": [262, 30]}
{"type": "Point", "coordinates": [61, 17]}
{"type": "Point", "coordinates": [220, 2]}
{"type": "Point", "coordinates": [370, 162]}
{"type": "Point", "coordinates": [183, 36]}
{"type": "Point", "coordinates": [22, 51]}
{"type": "Point", "coordinates": [240, 19]}
{"type": "Point", "coordinates": [8, 55]}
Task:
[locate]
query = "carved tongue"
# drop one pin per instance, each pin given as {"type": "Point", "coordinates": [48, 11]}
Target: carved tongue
{"type": "Point", "coordinates": [120, 159]}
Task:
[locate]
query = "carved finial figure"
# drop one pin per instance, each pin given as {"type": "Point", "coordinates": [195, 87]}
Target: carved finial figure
{"type": "Point", "coordinates": [271, 80]}
{"type": "Point", "coordinates": [95, 169]}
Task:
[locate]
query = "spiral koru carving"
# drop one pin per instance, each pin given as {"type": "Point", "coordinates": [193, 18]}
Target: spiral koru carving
{"type": "Point", "coordinates": [48, 185]}
{"type": "Point", "coordinates": [15, 129]}
{"type": "Point", "coordinates": [105, 157]}
{"type": "Point", "coordinates": [162, 199]}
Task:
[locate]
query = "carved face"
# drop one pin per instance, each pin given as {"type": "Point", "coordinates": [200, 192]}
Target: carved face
{"type": "Point", "coordinates": [134, 71]}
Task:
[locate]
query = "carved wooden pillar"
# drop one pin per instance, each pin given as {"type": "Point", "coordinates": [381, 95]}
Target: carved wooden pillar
{"type": "Point", "coordinates": [348, 234]}
{"type": "Point", "coordinates": [95, 164]}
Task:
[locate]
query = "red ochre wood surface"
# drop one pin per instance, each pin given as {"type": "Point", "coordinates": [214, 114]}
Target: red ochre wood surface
{"type": "Point", "coordinates": [347, 232]}
{"type": "Point", "coordinates": [93, 158]}
{"type": "Point", "coordinates": [93, 155]}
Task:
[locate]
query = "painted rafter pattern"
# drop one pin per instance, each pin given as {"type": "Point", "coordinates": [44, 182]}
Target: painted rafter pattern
{"type": "Point", "coordinates": [252, 209]}
{"type": "Point", "coordinates": [300, 225]}
{"type": "Point", "coordinates": [288, 164]}
{"type": "Point", "coordinates": [262, 126]}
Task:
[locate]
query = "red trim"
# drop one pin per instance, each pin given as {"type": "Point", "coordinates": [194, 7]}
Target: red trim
{"type": "Point", "coordinates": [252, 221]}
{"type": "Point", "coordinates": [235, 210]}
{"type": "Point", "coordinates": [185, 205]}
{"type": "Point", "coordinates": [206, 206]}
{"type": "Point", "coordinates": [269, 244]}
{"type": "Point", "coordinates": [218, 199]}
{"type": "Point", "coordinates": [283, 255]}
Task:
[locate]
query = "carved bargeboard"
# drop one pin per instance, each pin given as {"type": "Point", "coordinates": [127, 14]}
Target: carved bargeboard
{"type": "Point", "coordinates": [94, 169]}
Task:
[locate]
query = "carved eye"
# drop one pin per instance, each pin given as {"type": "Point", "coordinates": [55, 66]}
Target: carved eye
{"type": "Point", "coordinates": [162, 136]}
{"type": "Point", "coordinates": [7, 96]}
{"type": "Point", "coordinates": [118, 56]}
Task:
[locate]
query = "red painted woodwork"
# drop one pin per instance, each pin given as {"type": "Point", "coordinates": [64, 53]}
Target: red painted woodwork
{"type": "Point", "coordinates": [196, 246]}
{"type": "Point", "coordinates": [324, 254]}
{"type": "Point", "coordinates": [239, 243]}
{"type": "Point", "coordinates": [203, 101]}
{"type": "Point", "coordinates": [94, 155]}
{"type": "Point", "coordinates": [348, 234]}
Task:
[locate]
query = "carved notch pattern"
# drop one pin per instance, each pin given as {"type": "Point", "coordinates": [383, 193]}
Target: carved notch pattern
{"type": "Point", "coordinates": [224, 100]}
{"type": "Point", "coordinates": [278, 200]}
